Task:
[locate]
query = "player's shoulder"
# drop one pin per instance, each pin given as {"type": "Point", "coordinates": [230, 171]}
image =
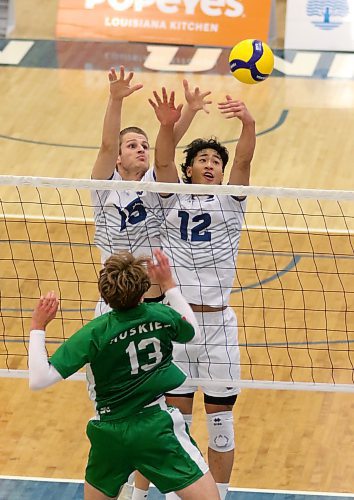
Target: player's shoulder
{"type": "Point", "coordinates": [96, 324]}
{"type": "Point", "coordinates": [162, 311]}
{"type": "Point", "coordinates": [149, 175]}
{"type": "Point", "coordinates": [229, 199]}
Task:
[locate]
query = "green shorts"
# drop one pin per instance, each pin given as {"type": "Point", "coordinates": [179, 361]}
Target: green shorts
{"type": "Point", "coordinates": [155, 442]}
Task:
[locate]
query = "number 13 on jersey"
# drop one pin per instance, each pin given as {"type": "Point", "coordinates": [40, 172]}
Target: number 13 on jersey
{"type": "Point", "coordinates": [133, 351]}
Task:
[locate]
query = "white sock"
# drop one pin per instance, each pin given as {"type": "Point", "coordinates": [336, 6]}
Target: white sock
{"type": "Point", "coordinates": [139, 494]}
{"type": "Point", "coordinates": [223, 488]}
{"type": "Point", "coordinates": [172, 496]}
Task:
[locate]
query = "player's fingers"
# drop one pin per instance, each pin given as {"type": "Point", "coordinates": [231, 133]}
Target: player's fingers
{"type": "Point", "coordinates": [172, 98]}
{"type": "Point", "coordinates": [230, 108]}
{"type": "Point", "coordinates": [225, 111]}
{"type": "Point", "coordinates": [129, 77]}
{"type": "Point", "coordinates": [164, 94]}
{"type": "Point", "coordinates": [186, 85]}
{"type": "Point", "coordinates": [54, 306]}
{"type": "Point", "coordinates": [121, 72]}
{"type": "Point", "coordinates": [112, 75]}
{"type": "Point", "coordinates": [138, 86]}
{"type": "Point", "coordinates": [49, 299]}
{"type": "Point", "coordinates": [150, 266]}
{"type": "Point", "coordinates": [163, 256]}
{"type": "Point", "coordinates": [157, 97]}
{"type": "Point", "coordinates": [167, 261]}
{"type": "Point", "coordinates": [158, 254]}
{"type": "Point", "coordinates": [153, 104]}
{"type": "Point", "coordinates": [179, 108]}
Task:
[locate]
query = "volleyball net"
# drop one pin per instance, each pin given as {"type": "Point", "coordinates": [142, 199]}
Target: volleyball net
{"type": "Point", "coordinates": [293, 292]}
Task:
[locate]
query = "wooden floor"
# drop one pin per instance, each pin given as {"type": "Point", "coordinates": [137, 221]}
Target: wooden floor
{"type": "Point", "coordinates": [51, 126]}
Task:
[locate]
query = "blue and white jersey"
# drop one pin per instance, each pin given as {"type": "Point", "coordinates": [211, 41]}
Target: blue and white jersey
{"type": "Point", "coordinates": [200, 235]}
{"type": "Point", "coordinates": [127, 220]}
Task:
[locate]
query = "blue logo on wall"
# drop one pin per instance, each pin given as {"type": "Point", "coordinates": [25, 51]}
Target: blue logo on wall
{"type": "Point", "coordinates": [327, 14]}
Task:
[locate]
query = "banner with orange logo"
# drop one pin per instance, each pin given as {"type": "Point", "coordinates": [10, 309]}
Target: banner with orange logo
{"type": "Point", "coordinates": [215, 23]}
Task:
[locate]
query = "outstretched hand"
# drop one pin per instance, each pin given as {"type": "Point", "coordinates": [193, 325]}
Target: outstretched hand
{"type": "Point", "coordinates": [196, 99]}
{"type": "Point", "coordinates": [45, 311]}
{"type": "Point", "coordinates": [160, 272]}
{"type": "Point", "coordinates": [165, 109]}
{"type": "Point", "coordinates": [234, 108]}
{"type": "Point", "coordinates": [120, 87]}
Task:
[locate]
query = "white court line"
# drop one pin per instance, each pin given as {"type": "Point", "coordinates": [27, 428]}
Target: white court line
{"type": "Point", "coordinates": [42, 479]}
{"type": "Point", "coordinates": [245, 490]}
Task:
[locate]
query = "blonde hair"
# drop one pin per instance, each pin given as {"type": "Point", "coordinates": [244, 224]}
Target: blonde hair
{"type": "Point", "coordinates": [123, 280]}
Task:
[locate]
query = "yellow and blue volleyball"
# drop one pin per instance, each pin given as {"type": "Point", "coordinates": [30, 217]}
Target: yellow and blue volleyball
{"type": "Point", "coordinates": [251, 61]}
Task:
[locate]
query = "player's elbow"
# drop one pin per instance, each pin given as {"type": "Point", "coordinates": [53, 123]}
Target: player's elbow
{"type": "Point", "coordinates": [164, 164]}
{"type": "Point", "coordinates": [197, 334]}
{"type": "Point", "coordinates": [35, 384]}
{"type": "Point", "coordinates": [37, 381]}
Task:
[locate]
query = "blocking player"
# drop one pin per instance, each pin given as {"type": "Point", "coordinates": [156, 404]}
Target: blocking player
{"type": "Point", "coordinates": [201, 235]}
{"type": "Point", "coordinates": [130, 353]}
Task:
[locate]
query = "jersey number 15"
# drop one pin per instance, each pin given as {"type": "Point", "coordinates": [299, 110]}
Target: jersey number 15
{"type": "Point", "coordinates": [133, 213]}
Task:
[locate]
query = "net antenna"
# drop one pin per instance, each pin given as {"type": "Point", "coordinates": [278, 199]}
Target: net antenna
{"type": "Point", "coordinates": [293, 292]}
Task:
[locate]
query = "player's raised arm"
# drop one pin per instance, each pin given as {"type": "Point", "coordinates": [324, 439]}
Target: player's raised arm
{"type": "Point", "coordinates": [41, 373]}
{"type": "Point", "coordinates": [167, 114]}
{"type": "Point", "coordinates": [241, 167]}
{"type": "Point", "coordinates": [195, 101]}
{"type": "Point", "coordinates": [161, 273]}
{"type": "Point", "coordinates": [120, 87]}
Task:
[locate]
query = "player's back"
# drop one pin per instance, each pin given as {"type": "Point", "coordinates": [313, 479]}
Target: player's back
{"type": "Point", "coordinates": [130, 355]}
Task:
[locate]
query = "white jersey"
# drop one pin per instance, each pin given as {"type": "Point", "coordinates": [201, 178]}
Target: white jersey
{"type": "Point", "coordinates": [127, 220]}
{"type": "Point", "coordinates": [200, 235]}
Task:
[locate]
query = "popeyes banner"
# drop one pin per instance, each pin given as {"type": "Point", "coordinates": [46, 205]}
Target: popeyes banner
{"type": "Point", "coordinates": [185, 22]}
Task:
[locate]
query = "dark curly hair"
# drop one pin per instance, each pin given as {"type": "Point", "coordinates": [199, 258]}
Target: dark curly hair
{"type": "Point", "coordinates": [123, 280]}
{"type": "Point", "coordinates": [197, 145]}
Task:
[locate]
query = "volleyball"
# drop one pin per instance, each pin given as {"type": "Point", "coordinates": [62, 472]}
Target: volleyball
{"type": "Point", "coordinates": [251, 61]}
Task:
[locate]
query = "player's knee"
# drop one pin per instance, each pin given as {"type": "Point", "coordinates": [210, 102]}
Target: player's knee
{"type": "Point", "coordinates": [221, 431]}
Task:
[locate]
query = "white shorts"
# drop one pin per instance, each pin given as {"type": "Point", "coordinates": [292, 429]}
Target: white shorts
{"type": "Point", "coordinates": [216, 357]}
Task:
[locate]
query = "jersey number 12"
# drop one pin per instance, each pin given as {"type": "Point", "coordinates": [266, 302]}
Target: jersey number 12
{"type": "Point", "coordinates": [198, 232]}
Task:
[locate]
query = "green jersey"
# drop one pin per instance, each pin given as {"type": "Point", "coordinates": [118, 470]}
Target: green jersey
{"type": "Point", "coordinates": [130, 355]}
